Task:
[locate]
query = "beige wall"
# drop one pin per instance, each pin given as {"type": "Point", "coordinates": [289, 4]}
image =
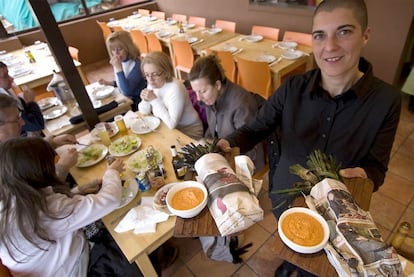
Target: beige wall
{"type": "Point", "coordinates": [390, 21]}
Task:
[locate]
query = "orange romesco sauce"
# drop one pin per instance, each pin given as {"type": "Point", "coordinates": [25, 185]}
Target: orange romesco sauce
{"type": "Point", "coordinates": [302, 229]}
{"type": "Point", "coordinates": [187, 198]}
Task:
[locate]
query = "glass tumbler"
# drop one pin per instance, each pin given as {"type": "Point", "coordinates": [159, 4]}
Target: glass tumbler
{"type": "Point", "coordinates": [119, 120]}
{"type": "Point", "coordinates": [103, 133]}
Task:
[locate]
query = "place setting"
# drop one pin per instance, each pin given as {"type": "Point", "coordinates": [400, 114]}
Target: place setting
{"type": "Point", "coordinates": [251, 38]}
{"type": "Point", "coordinates": [233, 49]}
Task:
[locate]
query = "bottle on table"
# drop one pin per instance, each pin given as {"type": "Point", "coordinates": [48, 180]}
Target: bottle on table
{"type": "Point", "coordinates": [30, 56]}
{"type": "Point", "coordinates": [179, 168]}
{"type": "Point", "coordinates": [155, 174]}
{"type": "Point", "coordinates": [180, 27]}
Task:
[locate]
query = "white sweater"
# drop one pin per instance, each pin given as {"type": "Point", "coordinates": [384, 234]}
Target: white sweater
{"type": "Point", "coordinates": [63, 258]}
{"type": "Point", "coordinates": [173, 106]}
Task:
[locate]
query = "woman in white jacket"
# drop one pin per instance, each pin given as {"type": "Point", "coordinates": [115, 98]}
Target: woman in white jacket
{"type": "Point", "coordinates": [167, 97]}
{"type": "Point", "coordinates": [40, 219]}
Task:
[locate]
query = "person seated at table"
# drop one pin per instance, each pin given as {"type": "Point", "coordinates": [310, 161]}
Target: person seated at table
{"type": "Point", "coordinates": [228, 105]}
{"type": "Point", "coordinates": [40, 217]}
{"type": "Point", "coordinates": [167, 97]}
{"type": "Point", "coordinates": [11, 123]}
{"type": "Point", "coordinates": [125, 59]}
{"type": "Point", "coordinates": [340, 108]}
{"type": "Point", "coordinates": [31, 113]}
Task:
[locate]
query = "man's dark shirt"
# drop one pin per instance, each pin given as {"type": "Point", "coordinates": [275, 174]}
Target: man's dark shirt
{"type": "Point", "coordinates": [357, 127]}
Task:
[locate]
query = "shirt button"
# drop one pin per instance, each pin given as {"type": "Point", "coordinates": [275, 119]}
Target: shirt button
{"type": "Point", "coordinates": [323, 136]}
{"type": "Point", "coordinates": [328, 118]}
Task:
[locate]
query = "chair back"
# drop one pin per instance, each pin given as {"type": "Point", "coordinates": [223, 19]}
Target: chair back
{"type": "Point", "coordinates": [198, 21]}
{"type": "Point", "coordinates": [267, 32]}
{"type": "Point", "coordinates": [179, 17]}
{"type": "Point", "coordinates": [74, 53]}
{"type": "Point", "coordinates": [183, 56]}
{"type": "Point", "coordinates": [301, 38]}
{"type": "Point", "coordinates": [144, 12]}
{"type": "Point", "coordinates": [255, 76]}
{"type": "Point", "coordinates": [139, 40]}
{"type": "Point", "coordinates": [158, 14]}
{"type": "Point", "coordinates": [229, 26]}
{"type": "Point", "coordinates": [11, 44]}
{"type": "Point", "coordinates": [154, 43]}
{"type": "Point", "coordinates": [106, 31]}
{"type": "Point", "coordinates": [227, 62]}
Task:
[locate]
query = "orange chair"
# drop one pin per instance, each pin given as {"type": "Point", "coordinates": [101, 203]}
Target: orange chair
{"type": "Point", "coordinates": [229, 26]}
{"type": "Point", "coordinates": [255, 76]}
{"type": "Point", "coordinates": [140, 41]}
{"type": "Point", "coordinates": [106, 31]}
{"type": "Point", "coordinates": [154, 43]}
{"type": "Point", "coordinates": [183, 56]}
{"type": "Point", "coordinates": [158, 14]}
{"type": "Point", "coordinates": [179, 17]}
{"type": "Point", "coordinates": [267, 32]}
{"type": "Point", "coordinates": [74, 52]}
{"type": "Point", "coordinates": [198, 21]}
{"type": "Point", "coordinates": [302, 38]}
{"type": "Point", "coordinates": [144, 12]}
{"type": "Point", "coordinates": [227, 62]}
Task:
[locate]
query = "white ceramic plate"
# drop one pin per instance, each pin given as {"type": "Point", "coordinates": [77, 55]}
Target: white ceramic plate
{"type": "Point", "coordinates": [148, 30]}
{"type": "Point", "coordinates": [266, 58]}
{"type": "Point", "coordinates": [54, 112]}
{"type": "Point", "coordinates": [287, 44]}
{"type": "Point", "coordinates": [146, 125]}
{"type": "Point", "coordinates": [292, 55]}
{"type": "Point", "coordinates": [160, 198]}
{"type": "Point", "coordinates": [163, 34]}
{"type": "Point", "coordinates": [111, 127]}
{"type": "Point", "coordinates": [189, 26]}
{"type": "Point", "coordinates": [91, 155]}
{"type": "Point", "coordinates": [230, 48]}
{"type": "Point", "coordinates": [152, 18]}
{"type": "Point", "coordinates": [214, 31]}
{"type": "Point", "coordinates": [113, 23]}
{"type": "Point", "coordinates": [171, 22]}
{"type": "Point", "coordinates": [138, 161]}
{"type": "Point", "coordinates": [129, 191]}
{"type": "Point", "coordinates": [252, 38]}
{"type": "Point", "coordinates": [124, 146]}
{"type": "Point", "coordinates": [46, 103]}
{"type": "Point", "coordinates": [135, 16]}
{"type": "Point", "coordinates": [103, 92]}
{"type": "Point", "coordinates": [192, 39]}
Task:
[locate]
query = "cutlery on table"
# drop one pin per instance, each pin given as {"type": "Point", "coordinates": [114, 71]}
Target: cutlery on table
{"type": "Point", "coordinates": [144, 123]}
{"type": "Point", "coordinates": [275, 62]}
{"type": "Point", "coordinates": [237, 51]}
{"type": "Point", "coordinates": [197, 42]}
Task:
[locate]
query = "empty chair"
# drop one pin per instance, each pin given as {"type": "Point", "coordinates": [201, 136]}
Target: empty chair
{"type": "Point", "coordinates": [227, 62]}
{"type": "Point", "coordinates": [106, 31]}
{"type": "Point", "coordinates": [229, 26]}
{"type": "Point", "coordinates": [254, 76]}
{"type": "Point", "coordinates": [179, 17]}
{"type": "Point", "coordinates": [302, 38]}
{"type": "Point", "coordinates": [158, 14]}
{"type": "Point", "coordinates": [144, 12]}
{"type": "Point", "coordinates": [266, 32]}
{"type": "Point", "coordinates": [153, 42]}
{"type": "Point", "coordinates": [74, 52]}
{"type": "Point", "coordinates": [198, 21]}
{"type": "Point", "coordinates": [140, 41]}
{"type": "Point", "coordinates": [183, 56]}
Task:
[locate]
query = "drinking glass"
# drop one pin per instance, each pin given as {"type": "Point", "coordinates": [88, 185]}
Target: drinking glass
{"type": "Point", "coordinates": [103, 133]}
{"type": "Point", "coordinates": [119, 120]}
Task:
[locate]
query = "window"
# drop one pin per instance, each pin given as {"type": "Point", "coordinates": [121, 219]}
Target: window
{"type": "Point", "coordinates": [287, 3]}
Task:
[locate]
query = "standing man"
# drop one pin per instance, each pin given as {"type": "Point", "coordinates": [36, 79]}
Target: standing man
{"type": "Point", "coordinates": [340, 108]}
{"type": "Point", "coordinates": [31, 113]}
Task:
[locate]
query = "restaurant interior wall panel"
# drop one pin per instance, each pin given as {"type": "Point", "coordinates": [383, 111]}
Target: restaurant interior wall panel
{"type": "Point", "coordinates": [389, 19]}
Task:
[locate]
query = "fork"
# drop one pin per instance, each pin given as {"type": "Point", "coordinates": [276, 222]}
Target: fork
{"type": "Point", "coordinates": [144, 123]}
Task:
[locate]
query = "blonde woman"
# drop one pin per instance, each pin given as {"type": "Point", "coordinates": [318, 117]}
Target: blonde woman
{"type": "Point", "coordinates": [125, 59]}
{"type": "Point", "coordinates": [167, 97]}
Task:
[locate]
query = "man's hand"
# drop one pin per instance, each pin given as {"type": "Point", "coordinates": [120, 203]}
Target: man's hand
{"type": "Point", "coordinates": [224, 145]}
{"type": "Point", "coordinates": [64, 139]}
{"type": "Point", "coordinates": [68, 159]}
{"type": "Point", "coordinates": [353, 172]}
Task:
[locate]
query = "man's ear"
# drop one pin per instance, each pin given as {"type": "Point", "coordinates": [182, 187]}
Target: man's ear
{"type": "Point", "coordinates": [366, 35]}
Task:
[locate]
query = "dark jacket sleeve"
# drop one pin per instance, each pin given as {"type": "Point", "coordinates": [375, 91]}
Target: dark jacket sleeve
{"type": "Point", "coordinates": [32, 116]}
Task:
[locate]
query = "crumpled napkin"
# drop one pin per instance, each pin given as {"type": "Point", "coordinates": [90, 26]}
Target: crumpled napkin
{"type": "Point", "coordinates": [142, 219]}
{"type": "Point", "coordinates": [130, 117]}
{"type": "Point", "coordinates": [244, 171]}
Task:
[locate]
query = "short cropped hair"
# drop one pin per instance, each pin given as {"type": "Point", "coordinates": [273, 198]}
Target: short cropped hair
{"type": "Point", "coordinates": [358, 7]}
{"type": "Point", "coordinates": [208, 67]}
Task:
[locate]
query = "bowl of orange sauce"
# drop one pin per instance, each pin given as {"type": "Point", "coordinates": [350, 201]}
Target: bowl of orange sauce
{"type": "Point", "coordinates": [303, 230]}
{"type": "Point", "coordinates": [187, 199]}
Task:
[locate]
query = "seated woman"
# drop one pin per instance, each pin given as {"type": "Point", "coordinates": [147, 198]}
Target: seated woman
{"type": "Point", "coordinates": [228, 105]}
{"type": "Point", "coordinates": [125, 59]}
{"type": "Point", "coordinates": [167, 97]}
{"type": "Point", "coordinates": [40, 219]}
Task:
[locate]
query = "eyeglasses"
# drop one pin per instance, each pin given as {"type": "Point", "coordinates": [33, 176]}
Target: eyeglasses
{"type": "Point", "coordinates": [117, 49]}
{"type": "Point", "coordinates": [4, 122]}
{"type": "Point", "coordinates": [153, 75]}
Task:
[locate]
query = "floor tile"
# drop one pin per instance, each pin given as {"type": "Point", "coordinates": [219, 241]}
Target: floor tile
{"type": "Point", "coordinates": [407, 147]}
{"type": "Point", "coordinates": [202, 266]}
{"type": "Point", "coordinates": [245, 271]}
{"type": "Point", "coordinates": [269, 221]}
{"type": "Point", "coordinates": [187, 247]}
{"type": "Point", "coordinates": [385, 233]}
{"type": "Point", "coordinates": [402, 166]}
{"type": "Point", "coordinates": [385, 211]}
{"type": "Point", "coordinates": [398, 188]}
{"type": "Point", "coordinates": [256, 235]}
{"type": "Point", "coordinates": [182, 271]}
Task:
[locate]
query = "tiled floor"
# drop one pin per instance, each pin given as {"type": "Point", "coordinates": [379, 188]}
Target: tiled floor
{"type": "Point", "coordinates": [392, 204]}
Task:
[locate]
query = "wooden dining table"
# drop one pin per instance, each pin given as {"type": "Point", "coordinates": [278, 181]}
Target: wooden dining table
{"type": "Point", "coordinates": [137, 247]}
{"type": "Point", "coordinates": [267, 47]}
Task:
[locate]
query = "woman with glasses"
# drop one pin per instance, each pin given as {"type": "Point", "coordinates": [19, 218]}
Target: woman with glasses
{"type": "Point", "coordinates": [125, 59]}
{"type": "Point", "coordinates": [167, 97]}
